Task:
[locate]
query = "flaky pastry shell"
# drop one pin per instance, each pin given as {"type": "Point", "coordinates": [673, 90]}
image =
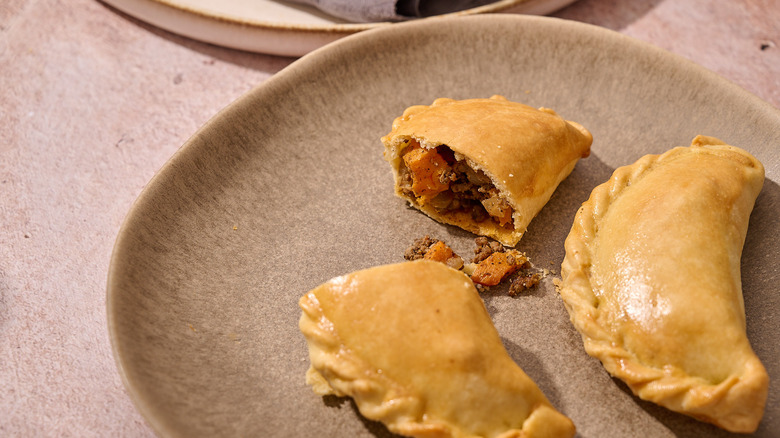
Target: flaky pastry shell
{"type": "Point", "coordinates": [524, 151]}
{"type": "Point", "coordinates": [651, 280]}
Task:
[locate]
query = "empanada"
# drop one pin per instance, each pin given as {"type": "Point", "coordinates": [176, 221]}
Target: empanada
{"type": "Point", "coordinates": [651, 279]}
{"type": "Point", "coordinates": [485, 165]}
{"type": "Point", "coordinates": [415, 348]}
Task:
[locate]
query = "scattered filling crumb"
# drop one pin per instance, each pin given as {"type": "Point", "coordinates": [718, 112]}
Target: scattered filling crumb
{"type": "Point", "coordinates": [444, 180]}
{"type": "Point", "coordinates": [492, 263]}
{"type": "Point", "coordinates": [523, 282]}
{"type": "Point", "coordinates": [485, 247]}
{"type": "Point", "coordinates": [433, 249]}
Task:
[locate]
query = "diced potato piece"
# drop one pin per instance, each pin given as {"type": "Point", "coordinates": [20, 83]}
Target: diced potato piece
{"type": "Point", "coordinates": [499, 209]}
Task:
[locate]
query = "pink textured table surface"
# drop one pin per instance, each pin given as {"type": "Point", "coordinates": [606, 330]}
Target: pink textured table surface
{"type": "Point", "coordinates": [93, 102]}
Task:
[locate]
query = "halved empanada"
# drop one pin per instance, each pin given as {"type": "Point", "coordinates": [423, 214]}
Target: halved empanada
{"type": "Point", "coordinates": [415, 348]}
{"type": "Point", "coordinates": [485, 165]}
{"type": "Point", "coordinates": [651, 279]}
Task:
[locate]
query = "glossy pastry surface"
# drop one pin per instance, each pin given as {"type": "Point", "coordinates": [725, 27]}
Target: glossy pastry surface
{"type": "Point", "coordinates": [651, 279]}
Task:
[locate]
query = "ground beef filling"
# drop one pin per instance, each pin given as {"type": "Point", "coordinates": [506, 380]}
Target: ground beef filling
{"type": "Point", "coordinates": [485, 248]}
{"type": "Point", "coordinates": [437, 178]}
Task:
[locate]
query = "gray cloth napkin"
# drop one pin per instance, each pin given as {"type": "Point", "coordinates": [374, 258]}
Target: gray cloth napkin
{"type": "Point", "coordinates": [390, 10]}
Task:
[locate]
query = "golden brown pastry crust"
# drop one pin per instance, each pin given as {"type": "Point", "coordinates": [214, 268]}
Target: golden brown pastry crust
{"type": "Point", "coordinates": [651, 279]}
{"type": "Point", "coordinates": [526, 152]}
{"type": "Point", "coordinates": [414, 346]}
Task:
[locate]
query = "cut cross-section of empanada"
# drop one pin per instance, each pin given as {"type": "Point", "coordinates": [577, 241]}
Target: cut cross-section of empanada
{"type": "Point", "coordinates": [651, 279]}
{"type": "Point", "coordinates": [485, 165]}
{"type": "Point", "coordinates": [414, 346]}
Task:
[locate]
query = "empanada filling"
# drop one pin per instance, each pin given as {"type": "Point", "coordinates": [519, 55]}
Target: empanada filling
{"type": "Point", "coordinates": [444, 180]}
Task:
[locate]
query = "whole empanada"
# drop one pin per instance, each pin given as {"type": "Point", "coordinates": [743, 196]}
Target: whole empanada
{"type": "Point", "coordinates": [415, 348]}
{"type": "Point", "coordinates": [485, 165]}
{"type": "Point", "coordinates": [651, 279]}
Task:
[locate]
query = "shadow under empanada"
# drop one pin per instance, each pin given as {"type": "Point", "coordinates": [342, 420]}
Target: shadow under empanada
{"type": "Point", "coordinates": [543, 241]}
{"type": "Point", "coordinates": [535, 368]}
{"type": "Point", "coordinates": [376, 428]}
{"type": "Point", "coordinates": [680, 425]}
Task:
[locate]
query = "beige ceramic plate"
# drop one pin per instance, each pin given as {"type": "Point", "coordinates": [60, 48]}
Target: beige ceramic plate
{"type": "Point", "coordinates": [274, 27]}
{"type": "Point", "coordinates": [287, 188]}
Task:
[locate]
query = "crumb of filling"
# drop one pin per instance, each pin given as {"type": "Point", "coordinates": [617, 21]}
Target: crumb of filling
{"type": "Point", "coordinates": [524, 282]}
{"type": "Point", "coordinates": [433, 249]}
{"type": "Point", "coordinates": [492, 264]}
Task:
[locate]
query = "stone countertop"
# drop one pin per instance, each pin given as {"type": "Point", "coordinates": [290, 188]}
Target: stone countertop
{"type": "Point", "coordinates": [93, 103]}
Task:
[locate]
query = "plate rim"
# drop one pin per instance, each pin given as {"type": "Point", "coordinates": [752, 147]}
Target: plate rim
{"type": "Point", "coordinates": [497, 6]}
{"type": "Point", "coordinates": [178, 17]}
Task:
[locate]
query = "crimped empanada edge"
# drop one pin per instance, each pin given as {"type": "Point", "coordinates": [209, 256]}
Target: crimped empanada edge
{"type": "Point", "coordinates": [345, 374]}
{"type": "Point", "coordinates": [686, 394]}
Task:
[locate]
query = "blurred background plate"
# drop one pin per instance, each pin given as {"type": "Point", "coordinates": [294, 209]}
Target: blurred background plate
{"type": "Point", "coordinates": [287, 188]}
{"type": "Point", "coordinates": [274, 27]}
